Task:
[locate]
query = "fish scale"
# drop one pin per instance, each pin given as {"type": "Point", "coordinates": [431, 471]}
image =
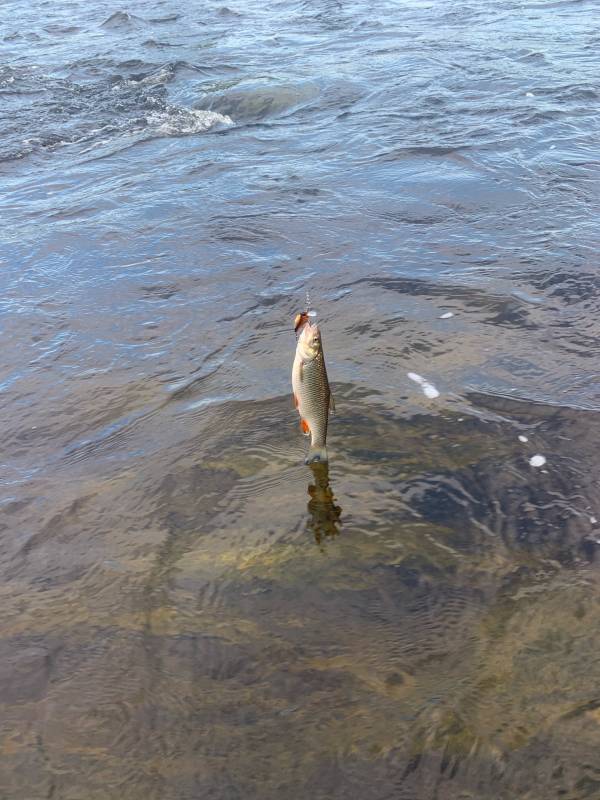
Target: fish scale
{"type": "Point", "coordinates": [316, 399]}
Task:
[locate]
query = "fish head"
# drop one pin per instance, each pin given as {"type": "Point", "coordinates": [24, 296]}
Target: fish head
{"type": "Point", "coordinates": [309, 341]}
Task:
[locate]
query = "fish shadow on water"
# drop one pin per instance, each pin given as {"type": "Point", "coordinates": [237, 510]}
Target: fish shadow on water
{"type": "Point", "coordinates": [324, 514]}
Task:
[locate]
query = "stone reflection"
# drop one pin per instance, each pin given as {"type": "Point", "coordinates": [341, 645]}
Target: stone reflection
{"type": "Point", "coordinates": [324, 514]}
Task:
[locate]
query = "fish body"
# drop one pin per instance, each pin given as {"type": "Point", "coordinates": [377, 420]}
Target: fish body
{"type": "Point", "coordinates": [312, 396]}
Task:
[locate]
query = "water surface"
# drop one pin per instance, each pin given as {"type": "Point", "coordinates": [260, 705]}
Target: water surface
{"type": "Point", "coordinates": [189, 611]}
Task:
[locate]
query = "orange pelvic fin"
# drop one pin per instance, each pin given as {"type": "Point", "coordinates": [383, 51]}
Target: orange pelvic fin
{"type": "Point", "coordinates": [296, 403]}
{"type": "Point", "coordinates": [305, 427]}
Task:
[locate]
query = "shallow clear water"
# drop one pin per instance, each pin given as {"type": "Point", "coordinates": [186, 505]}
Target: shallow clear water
{"type": "Point", "coordinates": [188, 610]}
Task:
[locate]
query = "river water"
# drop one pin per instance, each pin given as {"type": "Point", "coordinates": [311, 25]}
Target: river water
{"type": "Point", "coordinates": [190, 612]}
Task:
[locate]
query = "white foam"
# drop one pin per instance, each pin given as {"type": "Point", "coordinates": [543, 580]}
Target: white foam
{"type": "Point", "coordinates": [447, 315]}
{"type": "Point", "coordinates": [593, 520]}
{"type": "Point", "coordinates": [529, 94]}
{"type": "Point", "coordinates": [523, 439]}
{"type": "Point", "coordinates": [429, 389]}
{"type": "Point", "coordinates": [537, 460]}
{"type": "Point", "coordinates": [180, 121]}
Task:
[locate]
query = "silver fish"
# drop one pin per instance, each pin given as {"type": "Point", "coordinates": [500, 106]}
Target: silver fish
{"type": "Point", "coordinates": [312, 396]}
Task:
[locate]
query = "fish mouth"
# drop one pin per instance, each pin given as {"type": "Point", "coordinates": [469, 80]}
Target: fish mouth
{"type": "Point", "coordinates": [300, 320]}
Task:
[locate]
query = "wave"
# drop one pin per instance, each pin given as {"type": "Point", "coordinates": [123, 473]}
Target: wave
{"type": "Point", "coordinates": [183, 121]}
{"type": "Point", "coordinates": [122, 19]}
{"type": "Point", "coordinates": [255, 103]}
{"type": "Point", "coordinates": [94, 114]}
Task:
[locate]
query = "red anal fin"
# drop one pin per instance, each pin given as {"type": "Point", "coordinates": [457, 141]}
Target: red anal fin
{"type": "Point", "coordinates": [305, 427]}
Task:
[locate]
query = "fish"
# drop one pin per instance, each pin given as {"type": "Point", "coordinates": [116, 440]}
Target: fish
{"type": "Point", "coordinates": [312, 395]}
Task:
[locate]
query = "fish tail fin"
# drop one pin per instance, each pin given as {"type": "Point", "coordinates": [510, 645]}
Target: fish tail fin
{"type": "Point", "coordinates": [316, 453]}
